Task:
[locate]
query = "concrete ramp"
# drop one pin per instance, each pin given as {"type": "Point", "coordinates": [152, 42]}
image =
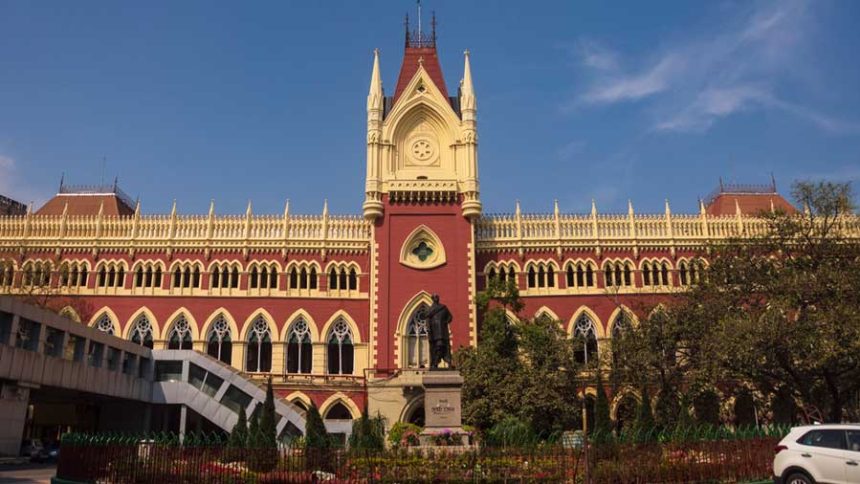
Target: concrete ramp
{"type": "Point", "coordinates": [215, 390]}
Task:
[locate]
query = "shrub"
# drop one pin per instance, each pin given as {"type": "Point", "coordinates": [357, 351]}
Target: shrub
{"type": "Point", "coordinates": [404, 434]}
{"type": "Point", "coordinates": [368, 434]}
{"type": "Point", "coordinates": [744, 408]}
{"type": "Point", "coordinates": [316, 435]}
{"type": "Point", "coordinates": [511, 432]}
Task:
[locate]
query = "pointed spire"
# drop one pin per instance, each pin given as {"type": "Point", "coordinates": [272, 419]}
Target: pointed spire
{"type": "Point", "coordinates": [137, 208]}
{"type": "Point", "coordinates": [211, 207]}
{"type": "Point", "coordinates": [517, 210]}
{"type": "Point", "coordinates": [325, 207]}
{"type": "Point", "coordinates": [467, 89]}
{"type": "Point", "coordinates": [62, 178]}
{"type": "Point", "coordinates": [173, 210]}
{"type": "Point", "coordinates": [737, 207]}
{"type": "Point", "coordinates": [287, 208]}
{"type": "Point", "coordinates": [629, 207]}
{"type": "Point", "coordinates": [65, 209]}
{"type": "Point", "coordinates": [772, 208]}
{"type": "Point", "coordinates": [593, 207]}
{"type": "Point", "coordinates": [375, 95]}
{"type": "Point", "coordinates": [101, 208]}
{"type": "Point", "coordinates": [555, 210]}
{"type": "Point", "coordinates": [248, 211]}
{"type": "Point", "coordinates": [702, 210]}
{"type": "Point", "coordinates": [668, 211]}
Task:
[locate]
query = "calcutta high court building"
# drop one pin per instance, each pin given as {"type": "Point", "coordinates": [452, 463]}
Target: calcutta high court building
{"type": "Point", "coordinates": [331, 306]}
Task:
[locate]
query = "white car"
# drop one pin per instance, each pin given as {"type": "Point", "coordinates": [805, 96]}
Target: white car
{"type": "Point", "coordinates": [818, 453]}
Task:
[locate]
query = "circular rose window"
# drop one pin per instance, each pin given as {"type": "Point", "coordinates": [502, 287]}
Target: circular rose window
{"type": "Point", "coordinates": [423, 151]}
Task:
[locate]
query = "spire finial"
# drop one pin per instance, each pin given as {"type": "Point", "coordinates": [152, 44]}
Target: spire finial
{"type": "Point", "coordinates": [62, 177]}
{"type": "Point", "coordinates": [433, 27]}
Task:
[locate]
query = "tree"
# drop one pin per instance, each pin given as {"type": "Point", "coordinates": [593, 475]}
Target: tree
{"type": "Point", "coordinates": [645, 417]}
{"type": "Point", "coordinates": [745, 413]}
{"type": "Point", "coordinates": [268, 419]}
{"type": "Point", "coordinates": [602, 424]}
{"type": "Point", "coordinates": [368, 434]}
{"type": "Point", "coordinates": [253, 440]}
{"type": "Point", "coordinates": [524, 370]}
{"type": "Point", "coordinates": [239, 435]}
{"type": "Point", "coordinates": [316, 435]}
{"type": "Point", "coordinates": [264, 438]}
{"type": "Point", "coordinates": [784, 304]}
{"type": "Point", "coordinates": [706, 403]}
{"type": "Point", "coordinates": [774, 309]}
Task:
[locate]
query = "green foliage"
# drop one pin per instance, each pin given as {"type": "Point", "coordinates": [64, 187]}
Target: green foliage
{"type": "Point", "coordinates": [602, 424]}
{"type": "Point", "coordinates": [775, 308]}
{"type": "Point", "coordinates": [239, 435]}
{"type": "Point", "coordinates": [706, 404]}
{"type": "Point", "coordinates": [263, 435]}
{"type": "Point", "coordinates": [403, 434]}
{"type": "Point", "coordinates": [268, 419]}
{"type": "Point", "coordinates": [644, 416]}
{"type": "Point", "coordinates": [368, 434]}
{"type": "Point", "coordinates": [668, 409]}
{"type": "Point", "coordinates": [745, 413]}
{"type": "Point", "coordinates": [524, 370]}
{"type": "Point", "coordinates": [783, 407]}
{"type": "Point", "coordinates": [253, 440]}
{"type": "Point", "coordinates": [685, 419]}
{"type": "Point", "coordinates": [511, 432]}
{"type": "Point", "coordinates": [316, 435]}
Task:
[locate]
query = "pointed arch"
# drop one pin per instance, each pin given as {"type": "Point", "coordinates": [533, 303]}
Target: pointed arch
{"type": "Point", "coordinates": [543, 310]}
{"type": "Point", "coordinates": [105, 310]}
{"type": "Point", "coordinates": [412, 350]}
{"type": "Point", "coordinates": [634, 320]}
{"type": "Point", "coordinates": [192, 324]}
{"type": "Point", "coordinates": [339, 397]}
{"type": "Point", "coordinates": [356, 335]}
{"type": "Point", "coordinates": [142, 311]}
{"type": "Point", "coordinates": [598, 324]}
{"type": "Point", "coordinates": [69, 312]}
{"type": "Point", "coordinates": [512, 316]}
{"type": "Point", "coordinates": [312, 325]}
{"type": "Point", "coordinates": [248, 325]}
{"type": "Point", "coordinates": [300, 396]}
{"type": "Point", "coordinates": [221, 311]}
{"type": "Point", "coordinates": [422, 297]}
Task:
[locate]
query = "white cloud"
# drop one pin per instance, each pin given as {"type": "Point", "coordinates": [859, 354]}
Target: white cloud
{"type": "Point", "coordinates": [624, 88]}
{"type": "Point", "coordinates": [597, 56]}
{"type": "Point", "coordinates": [741, 66]}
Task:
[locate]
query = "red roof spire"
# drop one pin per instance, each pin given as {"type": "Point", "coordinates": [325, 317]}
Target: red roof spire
{"type": "Point", "coordinates": [420, 47]}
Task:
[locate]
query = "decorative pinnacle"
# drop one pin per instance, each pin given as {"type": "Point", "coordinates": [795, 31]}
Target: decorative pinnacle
{"type": "Point", "coordinates": [421, 61]}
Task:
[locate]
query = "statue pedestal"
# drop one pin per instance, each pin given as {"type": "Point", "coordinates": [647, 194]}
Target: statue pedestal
{"type": "Point", "coordinates": [442, 406]}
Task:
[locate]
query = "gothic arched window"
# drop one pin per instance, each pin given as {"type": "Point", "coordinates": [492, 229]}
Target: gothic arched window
{"type": "Point", "coordinates": [218, 343]}
{"type": "Point", "coordinates": [338, 411]}
{"type": "Point", "coordinates": [180, 335]}
{"type": "Point", "coordinates": [258, 356]}
{"type": "Point", "coordinates": [299, 348]}
{"type": "Point", "coordinates": [584, 341]}
{"type": "Point", "coordinates": [418, 339]}
{"type": "Point", "coordinates": [340, 349]}
{"type": "Point", "coordinates": [141, 333]}
{"type": "Point", "coordinates": [105, 325]}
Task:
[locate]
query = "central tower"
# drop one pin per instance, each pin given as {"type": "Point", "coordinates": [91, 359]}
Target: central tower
{"type": "Point", "coordinates": [422, 197]}
{"type": "Point", "coordinates": [421, 143]}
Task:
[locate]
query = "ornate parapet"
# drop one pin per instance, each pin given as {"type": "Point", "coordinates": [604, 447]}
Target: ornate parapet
{"type": "Point", "coordinates": [534, 232]}
{"type": "Point", "coordinates": [255, 233]}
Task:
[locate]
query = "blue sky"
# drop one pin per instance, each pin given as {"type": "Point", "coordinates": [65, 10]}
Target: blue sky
{"type": "Point", "coordinates": [577, 100]}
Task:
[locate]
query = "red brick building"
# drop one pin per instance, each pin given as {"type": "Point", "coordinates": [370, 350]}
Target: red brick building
{"type": "Point", "coordinates": [331, 305]}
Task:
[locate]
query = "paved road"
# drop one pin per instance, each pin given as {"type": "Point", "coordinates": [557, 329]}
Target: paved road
{"type": "Point", "coordinates": [27, 473]}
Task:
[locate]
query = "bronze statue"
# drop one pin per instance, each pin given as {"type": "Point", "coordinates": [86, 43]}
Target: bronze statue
{"type": "Point", "coordinates": [438, 319]}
